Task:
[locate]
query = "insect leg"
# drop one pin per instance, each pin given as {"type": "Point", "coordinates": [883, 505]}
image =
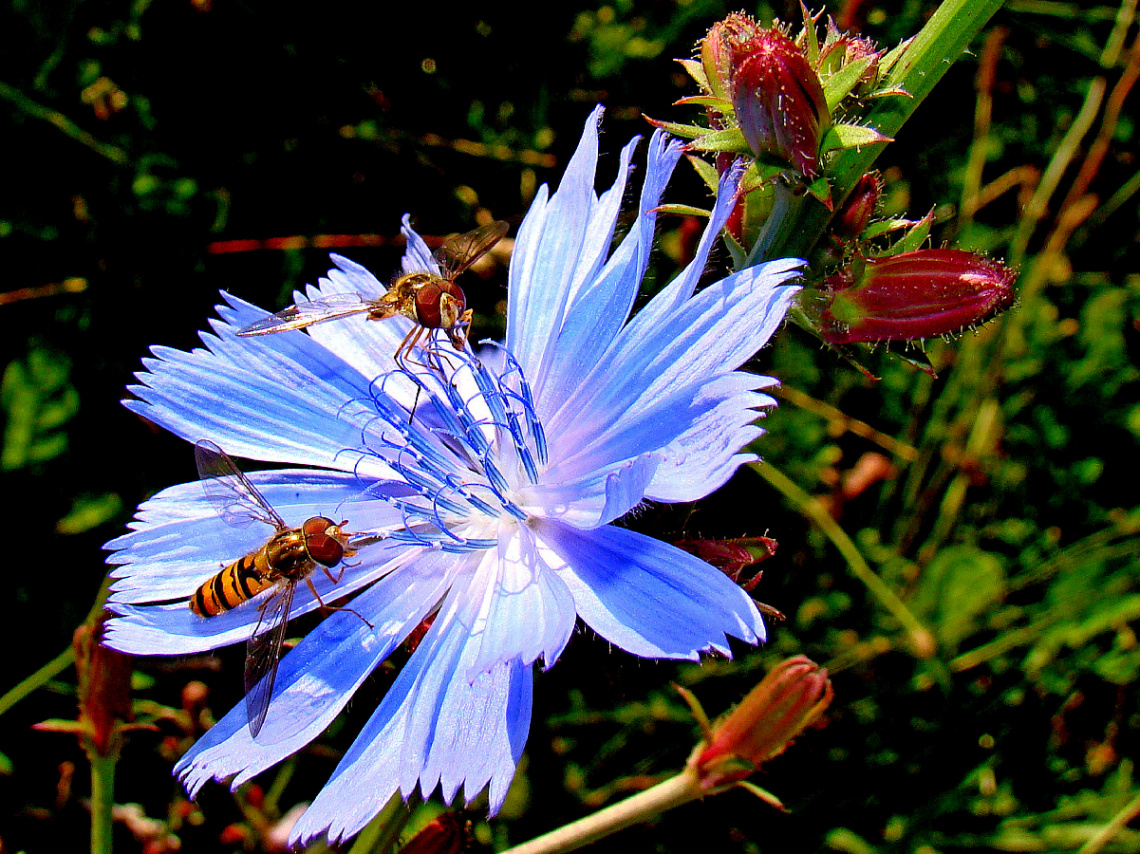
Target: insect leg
{"type": "Point", "coordinates": [325, 607]}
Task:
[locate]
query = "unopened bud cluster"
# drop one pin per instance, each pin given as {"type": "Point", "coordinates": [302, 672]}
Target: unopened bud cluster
{"type": "Point", "coordinates": [775, 98]}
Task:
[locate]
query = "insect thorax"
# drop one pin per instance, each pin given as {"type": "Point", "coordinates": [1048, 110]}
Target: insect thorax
{"type": "Point", "coordinates": [287, 556]}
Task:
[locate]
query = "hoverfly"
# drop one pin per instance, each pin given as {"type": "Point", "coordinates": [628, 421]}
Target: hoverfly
{"type": "Point", "coordinates": [429, 300]}
{"type": "Point", "coordinates": [289, 556]}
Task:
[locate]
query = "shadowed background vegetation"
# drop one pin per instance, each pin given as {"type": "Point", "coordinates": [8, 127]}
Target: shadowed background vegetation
{"type": "Point", "coordinates": [987, 700]}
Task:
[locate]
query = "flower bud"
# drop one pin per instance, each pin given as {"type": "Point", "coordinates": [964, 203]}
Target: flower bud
{"type": "Point", "coordinates": [843, 49]}
{"type": "Point", "coordinates": [104, 687]}
{"type": "Point", "coordinates": [914, 295]}
{"type": "Point", "coordinates": [716, 52]}
{"type": "Point", "coordinates": [858, 209]}
{"type": "Point", "coordinates": [734, 556]}
{"type": "Point", "coordinates": [777, 96]}
{"type": "Point", "coordinates": [787, 701]}
{"type": "Point", "coordinates": [444, 835]}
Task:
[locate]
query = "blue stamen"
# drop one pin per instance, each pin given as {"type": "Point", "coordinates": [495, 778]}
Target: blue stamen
{"type": "Point", "coordinates": [487, 389]}
{"type": "Point", "coordinates": [437, 453]}
{"type": "Point", "coordinates": [464, 489]}
{"type": "Point", "coordinates": [498, 482]}
{"type": "Point", "coordinates": [536, 431]}
{"type": "Point", "coordinates": [452, 425]}
{"type": "Point", "coordinates": [521, 447]}
{"type": "Point", "coordinates": [423, 484]}
{"type": "Point", "coordinates": [413, 537]}
{"type": "Point", "coordinates": [470, 425]}
{"type": "Point", "coordinates": [468, 546]}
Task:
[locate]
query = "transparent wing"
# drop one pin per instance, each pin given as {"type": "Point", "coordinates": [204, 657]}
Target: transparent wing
{"type": "Point", "coordinates": [237, 500]}
{"type": "Point", "coordinates": [302, 314]}
{"type": "Point", "coordinates": [263, 654]}
{"type": "Point", "coordinates": [463, 250]}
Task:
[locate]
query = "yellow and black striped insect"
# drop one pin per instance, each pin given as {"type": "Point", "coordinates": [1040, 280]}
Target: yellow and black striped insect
{"type": "Point", "coordinates": [431, 301]}
{"type": "Point", "coordinates": [288, 557]}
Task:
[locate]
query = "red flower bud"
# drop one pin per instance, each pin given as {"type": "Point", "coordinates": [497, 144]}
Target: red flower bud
{"type": "Point", "coordinates": [787, 701]}
{"type": "Point", "coordinates": [857, 210]}
{"type": "Point", "coordinates": [446, 834]}
{"type": "Point", "coordinates": [732, 557]}
{"type": "Point", "coordinates": [777, 96]}
{"type": "Point", "coordinates": [104, 687]}
{"type": "Point", "coordinates": [914, 295]}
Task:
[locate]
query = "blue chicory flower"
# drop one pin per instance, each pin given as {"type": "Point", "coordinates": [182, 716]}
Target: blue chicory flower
{"type": "Point", "coordinates": [486, 490]}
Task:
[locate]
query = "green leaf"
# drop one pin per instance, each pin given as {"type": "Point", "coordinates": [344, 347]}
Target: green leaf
{"type": "Point", "coordinates": [682, 210]}
{"type": "Point", "coordinates": [820, 189]}
{"type": "Point", "coordinates": [678, 129]}
{"type": "Point", "coordinates": [697, 72]}
{"type": "Point", "coordinates": [956, 589]}
{"type": "Point", "coordinates": [892, 56]}
{"type": "Point", "coordinates": [852, 136]}
{"type": "Point", "coordinates": [38, 400]}
{"type": "Point", "coordinates": [719, 104]}
{"type": "Point", "coordinates": [89, 512]}
{"type": "Point", "coordinates": [915, 238]}
{"type": "Point", "coordinates": [763, 794]}
{"type": "Point", "coordinates": [885, 226]}
{"type": "Point", "coordinates": [730, 139]}
{"type": "Point", "coordinates": [839, 85]}
{"type": "Point", "coordinates": [809, 37]}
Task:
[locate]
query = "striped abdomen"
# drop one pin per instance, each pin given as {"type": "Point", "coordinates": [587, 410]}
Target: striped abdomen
{"type": "Point", "coordinates": [239, 582]}
{"type": "Point", "coordinates": [290, 555]}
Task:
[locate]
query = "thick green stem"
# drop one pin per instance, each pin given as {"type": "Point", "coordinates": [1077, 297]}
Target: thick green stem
{"type": "Point", "coordinates": [102, 801]}
{"type": "Point", "coordinates": [785, 213]}
{"type": "Point", "coordinates": [641, 807]}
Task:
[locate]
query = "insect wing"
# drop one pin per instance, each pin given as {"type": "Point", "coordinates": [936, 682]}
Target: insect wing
{"type": "Point", "coordinates": [302, 314]}
{"type": "Point", "coordinates": [237, 500]}
{"type": "Point", "coordinates": [463, 250]}
{"type": "Point", "coordinates": [263, 654]}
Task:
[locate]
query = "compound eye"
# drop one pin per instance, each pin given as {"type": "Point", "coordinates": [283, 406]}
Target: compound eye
{"type": "Point", "coordinates": [324, 549]}
{"type": "Point", "coordinates": [321, 540]}
{"type": "Point", "coordinates": [317, 525]}
{"type": "Point", "coordinates": [439, 304]}
{"type": "Point", "coordinates": [427, 305]}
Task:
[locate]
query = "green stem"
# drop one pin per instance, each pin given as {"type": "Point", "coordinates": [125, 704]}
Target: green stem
{"type": "Point", "coordinates": [383, 832]}
{"type": "Point", "coordinates": [786, 208]}
{"type": "Point", "coordinates": [38, 679]}
{"type": "Point", "coordinates": [58, 664]}
{"type": "Point", "coordinates": [641, 807]}
{"type": "Point", "coordinates": [1063, 157]}
{"type": "Point", "coordinates": [921, 639]}
{"type": "Point", "coordinates": [70, 128]}
{"type": "Point", "coordinates": [102, 801]}
{"type": "Point", "coordinates": [1109, 831]}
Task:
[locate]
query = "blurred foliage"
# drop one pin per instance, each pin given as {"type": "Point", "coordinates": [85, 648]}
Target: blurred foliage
{"type": "Point", "coordinates": [38, 401]}
{"type": "Point", "coordinates": [158, 152]}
